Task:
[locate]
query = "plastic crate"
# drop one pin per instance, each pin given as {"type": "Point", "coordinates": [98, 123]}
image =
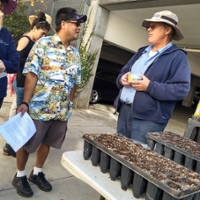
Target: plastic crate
{"type": "Point", "coordinates": [192, 130]}
{"type": "Point", "coordinates": [141, 169]}
{"type": "Point", "coordinates": [183, 151]}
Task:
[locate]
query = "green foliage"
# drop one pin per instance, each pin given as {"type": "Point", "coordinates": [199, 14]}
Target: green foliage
{"type": "Point", "coordinates": [87, 58]}
{"type": "Point", "coordinates": [17, 22]}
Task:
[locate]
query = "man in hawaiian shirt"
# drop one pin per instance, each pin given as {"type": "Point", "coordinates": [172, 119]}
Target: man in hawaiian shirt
{"type": "Point", "coordinates": [52, 70]}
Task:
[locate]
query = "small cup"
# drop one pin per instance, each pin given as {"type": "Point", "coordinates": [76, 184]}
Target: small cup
{"type": "Point", "coordinates": [134, 77]}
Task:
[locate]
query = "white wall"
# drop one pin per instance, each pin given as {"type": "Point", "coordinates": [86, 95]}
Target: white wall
{"type": "Point", "coordinates": [124, 34]}
{"type": "Point", "coordinates": [194, 61]}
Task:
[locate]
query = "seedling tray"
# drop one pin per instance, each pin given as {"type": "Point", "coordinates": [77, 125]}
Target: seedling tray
{"type": "Point", "coordinates": [143, 169]}
{"type": "Point", "coordinates": [182, 150]}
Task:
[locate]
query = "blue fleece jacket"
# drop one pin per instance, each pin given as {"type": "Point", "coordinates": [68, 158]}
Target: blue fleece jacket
{"type": "Point", "coordinates": [169, 77]}
{"type": "Point", "coordinates": [9, 57]}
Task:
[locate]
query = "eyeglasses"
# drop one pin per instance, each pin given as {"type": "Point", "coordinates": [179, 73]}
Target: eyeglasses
{"type": "Point", "coordinates": [153, 26]}
{"type": "Point", "coordinates": [77, 23]}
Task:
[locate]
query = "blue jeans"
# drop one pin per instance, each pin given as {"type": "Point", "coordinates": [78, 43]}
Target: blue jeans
{"type": "Point", "coordinates": [133, 128]}
{"type": "Point", "coordinates": [19, 93]}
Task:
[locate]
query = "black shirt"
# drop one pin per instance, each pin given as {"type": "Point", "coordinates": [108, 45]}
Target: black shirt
{"type": "Point", "coordinates": [23, 55]}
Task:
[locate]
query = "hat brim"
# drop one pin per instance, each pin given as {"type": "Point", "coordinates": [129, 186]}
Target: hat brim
{"type": "Point", "coordinates": [10, 7]}
{"type": "Point", "coordinates": [31, 18]}
{"type": "Point", "coordinates": [80, 18]}
{"type": "Point", "coordinates": [178, 35]}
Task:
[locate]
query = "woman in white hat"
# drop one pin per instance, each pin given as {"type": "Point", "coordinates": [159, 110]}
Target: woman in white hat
{"type": "Point", "coordinates": [40, 25]}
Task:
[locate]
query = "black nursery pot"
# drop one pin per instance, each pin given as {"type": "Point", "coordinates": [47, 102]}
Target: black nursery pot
{"type": "Point", "coordinates": [167, 196]}
{"type": "Point", "coordinates": [153, 192]}
{"type": "Point", "coordinates": [87, 151]}
{"type": "Point", "coordinates": [95, 156]}
{"type": "Point", "coordinates": [139, 185]}
{"type": "Point", "coordinates": [126, 177]}
{"type": "Point", "coordinates": [104, 162]}
{"type": "Point", "coordinates": [115, 169]}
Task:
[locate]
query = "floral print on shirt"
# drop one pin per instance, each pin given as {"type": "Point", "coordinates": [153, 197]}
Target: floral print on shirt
{"type": "Point", "coordinates": [58, 70]}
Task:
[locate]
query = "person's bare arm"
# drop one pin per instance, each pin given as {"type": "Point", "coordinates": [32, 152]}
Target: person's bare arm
{"type": "Point", "coordinates": [22, 43]}
{"type": "Point", "coordinates": [30, 83]}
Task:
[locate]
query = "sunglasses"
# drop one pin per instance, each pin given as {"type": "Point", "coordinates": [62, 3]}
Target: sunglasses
{"type": "Point", "coordinates": [152, 26]}
{"type": "Point", "coordinates": [77, 23]}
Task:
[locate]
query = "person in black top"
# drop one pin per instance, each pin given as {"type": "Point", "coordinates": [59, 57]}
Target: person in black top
{"type": "Point", "coordinates": [40, 25]}
{"type": "Point", "coordinates": [39, 28]}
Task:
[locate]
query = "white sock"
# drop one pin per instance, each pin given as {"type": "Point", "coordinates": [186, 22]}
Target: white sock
{"type": "Point", "coordinates": [21, 173]}
{"type": "Point", "coordinates": [36, 170]}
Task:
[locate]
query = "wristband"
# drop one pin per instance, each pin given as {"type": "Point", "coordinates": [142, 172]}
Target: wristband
{"type": "Point", "coordinates": [25, 103]}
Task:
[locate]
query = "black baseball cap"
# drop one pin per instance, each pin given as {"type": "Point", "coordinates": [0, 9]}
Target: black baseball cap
{"type": "Point", "coordinates": [77, 17]}
{"type": "Point", "coordinates": [69, 14]}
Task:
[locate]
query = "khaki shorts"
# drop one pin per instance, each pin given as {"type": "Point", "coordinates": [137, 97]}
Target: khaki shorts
{"type": "Point", "coordinates": [51, 133]}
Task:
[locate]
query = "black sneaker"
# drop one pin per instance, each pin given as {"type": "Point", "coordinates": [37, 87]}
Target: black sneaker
{"type": "Point", "coordinates": [8, 151]}
{"type": "Point", "coordinates": [40, 181]}
{"type": "Point", "coordinates": [22, 186]}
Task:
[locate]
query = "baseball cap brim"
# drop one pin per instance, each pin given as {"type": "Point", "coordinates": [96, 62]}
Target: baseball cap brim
{"type": "Point", "coordinates": [10, 7]}
{"type": "Point", "coordinates": [80, 18]}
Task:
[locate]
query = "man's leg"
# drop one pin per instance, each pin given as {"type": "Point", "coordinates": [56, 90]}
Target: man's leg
{"type": "Point", "coordinates": [41, 155]}
{"type": "Point", "coordinates": [22, 158]}
{"type": "Point", "coordinates": [20, 181]}
{"type": "Point", "coordinates": [140, 128]}
{"type": "Point", "coordinates": [37, 176]}
{"type": "Point", "coordinates": [124, 120]}
{"type": "Point", "coordinates": [42, 150]}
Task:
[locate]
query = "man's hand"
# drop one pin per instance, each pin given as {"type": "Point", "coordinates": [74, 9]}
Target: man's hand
{"type": "Point", "coordinates": [124, 79]}
{"type": "Point", "coordinates": [2, 66]}
{"type": "Point", "coordinates": [22, 108]}
{"type": "Point", "coordinates": [141, 85]}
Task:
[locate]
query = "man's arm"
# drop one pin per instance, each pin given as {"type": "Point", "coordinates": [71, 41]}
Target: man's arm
{"type": "Point", "coordinates": [12, 60]}
{"type": "Point", "coordinates": [30, 83]}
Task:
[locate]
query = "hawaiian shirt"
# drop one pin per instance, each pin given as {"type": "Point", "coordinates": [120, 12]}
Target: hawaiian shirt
{"type": "Point", "coordinates": [58, 70]}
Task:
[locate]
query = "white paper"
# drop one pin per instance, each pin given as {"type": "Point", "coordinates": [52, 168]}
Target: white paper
{"type": "Point", "coordinates": [18, 130]}
{"type": "Point", "coordinates": [2, 74]}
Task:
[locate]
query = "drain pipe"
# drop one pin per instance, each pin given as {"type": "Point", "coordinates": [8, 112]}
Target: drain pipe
{"type": "Point", "coordinates": [85, 10]}
{"type": "Point", "coordinates": [191, 50]}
